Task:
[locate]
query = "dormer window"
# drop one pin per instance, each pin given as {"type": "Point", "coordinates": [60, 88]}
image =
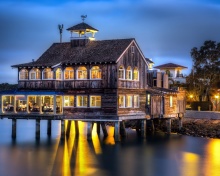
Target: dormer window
{"type": "Point", "coordinates": [34, 74]}
{"type": "Point", "coordinates": [23, 74]}
{"type": "Point", "coordinates": [96, 73]}
{"type": "Point", "coordinates": [47, 73]}
{"type": "Point", "coordinates": [58, 74]}
{"type": "Point", "coordinates": [82, 73]}
{"type": "Point", "coordinates": [121, 72]}
{"type": "Point", "coordinates": [69, 73]}
{"type": "Point", "coordinates": [132, 49]}
{"type": "Point", "coordinates": [136, 74]}
{"type": "Point", "coordinates": [129, 73]}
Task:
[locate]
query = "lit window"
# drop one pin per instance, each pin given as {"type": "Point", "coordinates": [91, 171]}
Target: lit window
{"type": "Point", "coordinates": [121, 72]}
{"type": "Point", "coordinates": [129, 101]}
{"type": "Point", "coordinates": [171, 101]}
{"type": "Point", "coordinates": [136, 74]}
{"type": "Point", "coordinates": [58, 73]}
{"type": "Point", "coordinates": [69, 73]}
{"type": "Point", "coordinates": [148, 99]}
{"type": "Point", "coordinates": [95, 101]}
{"type": "Point", "coordinates": [35, 73]}
{"type": "Point", "coordinates": [129, 73]}
{"type": "Point", "coordinates": [96, 73]}
{"type": "Point", "coordinates": [47, 73]}
{"type": "Point", "coordinates": [121, 101]}
{"type": "Point", "coordinates": [82, 101]}
{"type": "Point", "coordinates": [23, 74]}
{"type": "Point", "coordinates": [136, 101]}
{"type": "Point", "coordinates": [82, 73]}
{"type": "Point", "coordinates": [68, 101]}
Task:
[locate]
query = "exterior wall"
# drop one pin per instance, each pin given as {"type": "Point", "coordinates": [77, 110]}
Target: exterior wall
{"type": "Point", "coordinates": [168, 110]}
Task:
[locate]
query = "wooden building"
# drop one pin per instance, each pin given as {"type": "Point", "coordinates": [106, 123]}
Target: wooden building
{"type": "Point", "coordinates": [90, 80]}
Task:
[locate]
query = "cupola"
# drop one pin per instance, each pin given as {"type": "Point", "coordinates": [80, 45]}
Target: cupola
{"type": "Point", "coordinates": [85, 33]}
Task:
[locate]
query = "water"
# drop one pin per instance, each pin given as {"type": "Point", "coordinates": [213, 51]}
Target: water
{"type": "Point", "coordinates": [158, 155]}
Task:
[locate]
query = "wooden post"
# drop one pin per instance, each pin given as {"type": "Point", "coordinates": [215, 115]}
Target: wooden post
{"type": "Point", "coordinates": [98, 127]}
{"type": "Point", "coordinates": [76, 127]}
{"type": "Point", "coordinates": [143, 128]}
{"type": "Point", "coordinates": [68, 127]}
{"type": "Point", "coordinates": [14, 128]}
{"type": "Point", "coordinates": [168, 126]}
{"type": "Point", "coordinates": [62, 129]}
{"type": "Point", "coordinates": [117, 131]}
{"type": "Point", "coordinates": [104, 130]}
{"type": "Point", "coordinates": [123, 129]}
{"type": "Point", "coordinates": [89, 130]}
{"type": "Point", "coordinates": [37, 133]}
{"type": "Point", "coordinates": [48, 127]}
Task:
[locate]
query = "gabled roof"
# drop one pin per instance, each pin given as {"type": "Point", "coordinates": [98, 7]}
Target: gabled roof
{"type": "Point", "coordinates": [169, 65]}
{"type": "Point", "coordinates": [95, 51]}
{"type": "Point", "coordinates": [149, 60]}
{"type": "Point", "coordinates": [82, 26]}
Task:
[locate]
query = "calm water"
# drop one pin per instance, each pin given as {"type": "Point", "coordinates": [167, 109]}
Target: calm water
{"type": "Point", "coordinates": [159, 155]}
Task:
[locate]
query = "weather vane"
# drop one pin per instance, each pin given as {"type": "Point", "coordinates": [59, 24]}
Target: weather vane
{"type": "Point", "coordinates": [83, 17]}
{"type": "Point", "coordinates": [60, 27]}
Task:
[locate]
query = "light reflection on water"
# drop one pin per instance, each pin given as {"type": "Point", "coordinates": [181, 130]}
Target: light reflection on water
{"type": "Point", "coordinates": [156, 155]}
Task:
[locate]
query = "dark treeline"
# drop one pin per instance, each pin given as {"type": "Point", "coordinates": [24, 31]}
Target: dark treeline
{"type": "Point", "coordinates": [6, 86]}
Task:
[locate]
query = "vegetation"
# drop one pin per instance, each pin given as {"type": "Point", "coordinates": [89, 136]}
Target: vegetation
{"type": "Point", "coordinates": [205, 75]}
{"type": "Point", "coordinates": [6, 86]}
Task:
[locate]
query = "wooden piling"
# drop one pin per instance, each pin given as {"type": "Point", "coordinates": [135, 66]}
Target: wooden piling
{"type": "Point", "coordinates": [104, 130]}
{"type": "Point", "coordinates": [76, 127]}
{"type": "Point", "coordinates": [37, 133]}
{"type": "Point", "coordinates": [143, 128]}
{"type": "Point", "coordinates": [123, 129]}
{"type": "Point", "coordinates": [14, 128]}
{"type": "Point", "coordinates": [49, 127]}
{"type": "Point", "coordinates": [152, 126]}
{"type": "Point", "coordinates": [168, 126]}
{"type": "Point", "coordinates": [117, 131]}
{"type": "Point", "coordinates": [62, 129]}
{"type": "Point", "coordinates": [89, 130]}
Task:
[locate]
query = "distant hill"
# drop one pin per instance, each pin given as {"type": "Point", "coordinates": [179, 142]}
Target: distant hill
{"type": "Point", "coordinates": [6, 86]}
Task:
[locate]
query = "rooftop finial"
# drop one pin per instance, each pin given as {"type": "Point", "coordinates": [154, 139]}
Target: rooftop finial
{"type": "Point", "coordinates": [83, 17]}
{"type": "Point", "coordinates": [60, 27]}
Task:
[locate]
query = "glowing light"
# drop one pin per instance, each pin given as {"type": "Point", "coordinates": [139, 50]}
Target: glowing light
{"type": "Point", "coordinates": [191, 96]}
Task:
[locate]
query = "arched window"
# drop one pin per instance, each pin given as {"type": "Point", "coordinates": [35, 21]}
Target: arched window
{"type": "Point", "coordinates": [96, 73]}
{"type": "Point", "coordinates": [34, 74]}
{"type": "Point", "coordinates": [136, 74]}
{"type": "Point", "coordinates": [23, 74]}
{"type": "Point", "coordinates": [58, 73]}
{"type": "Point", "coordinates": [69, 73]}
{"type": "Point", "coordinates": [121, 72]}
{"type": "Point", "coordinates": [129, 73]}
{"type": "Point", "coordinates": [47, 73]}
{"type": "Point", "coordinates": [82, 73]}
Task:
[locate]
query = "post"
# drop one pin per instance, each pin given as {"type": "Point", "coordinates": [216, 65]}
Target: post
{"type": "Point", "coordinates": [123, 129]}
{"type": "Point", "coordinates": [152, 125]}
{"type": "Point", "coordinates": [168, 126]}
{"type": "Point", "coordinates": [89, 130]}
{"type": "Point", "coordinates": [62, 129]}
{"type": "Point", "coordinates": [104, 130]}
{"type": "Point", "coordinates": [117, 131]}
{"type": "Point", "coordinates": [76, 127]}
{"type": "Point", "coordinates": [48, 127]}
{"type": "Point", "coordinates": [98, 127]}
{"type": "Point", "coordinates": [14, 128]}
{"type": "Point", "coordinates": [37, 134]}
{"type": "Point", "coordinates": [143, 128]}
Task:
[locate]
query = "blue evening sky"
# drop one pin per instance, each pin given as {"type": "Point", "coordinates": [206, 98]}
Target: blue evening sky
{"type": "Point", "coordinates": [165, 30]}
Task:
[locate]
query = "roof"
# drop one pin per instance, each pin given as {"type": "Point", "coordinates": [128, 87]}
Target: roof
{"type": "Point", "coordinates": [94, 51]}
{"type": "Point", "coordinates": [160, 91]}
{"type": "Point", "coordinates": [25, 92]}
{"type": "Point", "coordinates": [149, 60]}
{"type": "Point", "coordinates": [82, 26]}
{"type": "Point", "coordinates": [169, 65]}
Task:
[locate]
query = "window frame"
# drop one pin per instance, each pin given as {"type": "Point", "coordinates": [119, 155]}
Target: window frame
{"type": "Point", "coordinates": [136, 69]}
{"type": "Point", "coordinates": [121, 69]}
{"type": "Point", "coordinates": [69, 73]}
{"type": "Point", "coordinates": [123, 105]}
{"type": "Point", "coordinates": [171, 101]}
{"type": "Point", "coordinates": [58, 73]}
{"type": "Point", "coordinates": [98, 71]}
{"type": "Point", "coordinates": [68, 99]}
{"type": "Point", "coordinates": [84, 96]}
{"type": "Point", "coordinates": [90, 101]}
{"type": "Point", "coordinates": [86, 71]}
{"type": "Point", "coordinates": [129, 101]}
{"type": "Point", "coordinates": [36, 72]}
{"type": "Point", "coordinates": [44, 72]}
{"type": "Point", "coordinates": [25, 74]}
{"type": "Point", "coordinates": [138, 101]}
{"type": "Point", "coordinates": [129, 73]}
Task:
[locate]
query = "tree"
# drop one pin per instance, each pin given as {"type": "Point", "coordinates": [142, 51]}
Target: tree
{"type": "Point", "coordinates": [205, 73]}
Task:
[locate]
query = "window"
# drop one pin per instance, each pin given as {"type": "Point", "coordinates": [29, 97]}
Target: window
{"type": "Point", "coordinates": [129, 101]}
{"type": "Point", "coordinates": [82, 73]}
{"type": "Point", "coordinates": [136, 74]}
{"type": "Point", "coordinates": [47, 73]}
{"type": "Point", "coordinates": [96, 73]}
{"type": "Point", "coordinates": [68, 101]}
{"type": "Point", "coordinates": [121, 73]}
{"type": "Point", "coordinates": [132, 49]}
{"type": "Point", "coordinates": [171, 101]}
{"type": "Point", "coordinates": [69, 73]}
{"type": "Point", "coordinates": [35, 73]}
{"type": "Point", "coordinates": [95, 101]}
{"type": "Point", "coordinates": [148, 99]}
{"type": "Point", "coordinates": [82, 101]}
{"type": "Point", "coordinates": [23, 74]}
{"type": "Point", "coordinates": [129, 73]}
{"type": "Point", "coordinates": [136, 101]}
{"type": "Point", "coordinates": [121, 101]}
{"type": "Point", "coordinates": [58, 73]}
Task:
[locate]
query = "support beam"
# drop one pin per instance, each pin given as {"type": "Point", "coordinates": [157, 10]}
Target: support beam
{"type": "Point", "coordinates": [180, 123]}
{"type": "Point", "coordinates": [143, 128]}
{"type": "Point", "coordinates": [14, 128]}
{"type": "Point", "coordinates": [37, 133]}
{"type": "Point", "coordinates": [104, 130]}
{"type": "Point", "coordinates": [89, 130]}
{"type": "Point", "coordinates": [168, 126]}
{"type": "Point", "coordinates": [69, 122]}
{"type": "Point", "coordinates": [62, 123]}
{"type": "Point", "coordinates": [117, 131]}
{"type": "Point", "coordinates": [152, 126]}
{"type": "Point", "coordinates": [123, 129]}
{"type": "Point", "coordinates": [98, 127]}
{"type": "Point", "coordinates": [76, 127]}
{"type": "Point", "coordinates": [49, 127]}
